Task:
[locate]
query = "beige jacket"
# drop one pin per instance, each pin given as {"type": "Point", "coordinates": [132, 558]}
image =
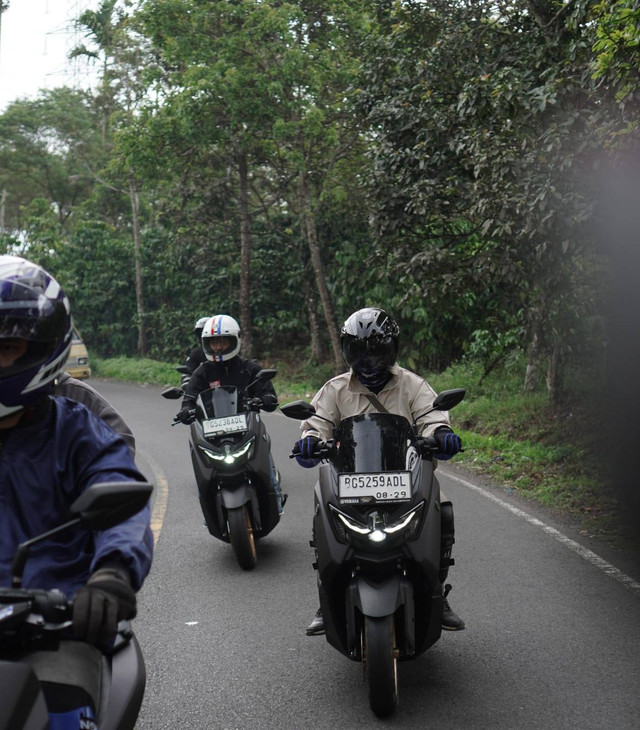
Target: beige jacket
{"type": "Point", "coordinates": [406, 394]}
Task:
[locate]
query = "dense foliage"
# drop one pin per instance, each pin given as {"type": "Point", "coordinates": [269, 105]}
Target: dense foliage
{"type": "Point", "coordinates": [288, 163]}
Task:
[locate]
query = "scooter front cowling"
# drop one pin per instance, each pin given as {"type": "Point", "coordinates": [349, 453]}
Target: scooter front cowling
{"type": "Point", "coordinates": [358, 577]}
{"type": "Point", "coordinates": [226, 486]}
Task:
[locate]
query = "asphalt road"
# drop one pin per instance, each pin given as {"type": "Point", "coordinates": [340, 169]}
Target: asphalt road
{"type": "Point", "coordinates": [553, 624]}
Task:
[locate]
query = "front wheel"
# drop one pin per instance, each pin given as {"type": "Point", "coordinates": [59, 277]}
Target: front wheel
{"type": "Point", "coordinates": [241, 537]}
{"type": "Point", "coordinates": [380, 663]}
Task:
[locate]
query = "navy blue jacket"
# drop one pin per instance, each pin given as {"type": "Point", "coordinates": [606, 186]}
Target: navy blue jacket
{"type": "Point", "coordinates": [45, 463]}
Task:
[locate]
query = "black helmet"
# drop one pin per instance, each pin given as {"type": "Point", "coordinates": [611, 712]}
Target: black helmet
{"type": "Point", "coordinates": [369, 340]}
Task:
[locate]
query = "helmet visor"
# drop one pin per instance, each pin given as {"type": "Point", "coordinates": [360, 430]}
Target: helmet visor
{"type": "Point", "coordinates": [220, 344]}
{"type": "Point", "coordinates": [370, 354]}
{"type": "Point", "coordinates": [18, 354]}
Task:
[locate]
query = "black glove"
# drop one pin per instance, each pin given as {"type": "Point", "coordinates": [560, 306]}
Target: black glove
{"type": "Point", "coordinates": [307, 447]}
{"type": "Point", "coordinates": [97, 607]}
{"type": "Point", "coordinates": [448, 443]}
{"type": "Point", "coordinates": [186, 415]}
{"type": "Point", "coordinates": [269, 402]}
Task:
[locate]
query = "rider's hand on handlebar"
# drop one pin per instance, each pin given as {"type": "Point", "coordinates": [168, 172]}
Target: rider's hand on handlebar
{"type": "Point", "coordinates": [186, 415]}
{"type": "Point", "coordinates": [449, 443]}
{"type": "Point", "coordinates": [97, 607]}
{"type": "Point", "coordinates": [305, 451]}
{"type": "Point", "coordinates": [269, 402]}
{"type": "Point", "coordinates": [306, 447]}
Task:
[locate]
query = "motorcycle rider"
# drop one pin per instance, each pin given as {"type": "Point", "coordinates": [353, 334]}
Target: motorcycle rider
{"type": "Point", "coordinates": [376, 383]}
{"type": "Point", "coordinates": [52, 450]}
{"type": "Point", "coordinates": [221, 342]}
{"type": "Point", "coordinates": [197, 355]}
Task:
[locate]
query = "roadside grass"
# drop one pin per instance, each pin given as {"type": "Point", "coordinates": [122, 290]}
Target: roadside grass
{"type": "Point", "coordinates": [135, 370]}
{"type": "Point", "coordinates": [518, 440]}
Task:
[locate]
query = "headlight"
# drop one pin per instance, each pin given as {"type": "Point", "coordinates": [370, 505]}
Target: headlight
{"type": "Point", "coordinates": [377, 530]}
{"type": "Point", "coordinates": [230, 456]}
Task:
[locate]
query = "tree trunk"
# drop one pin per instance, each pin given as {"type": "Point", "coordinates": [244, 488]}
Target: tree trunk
{"type": "Point", "coordinates": [555, 373]}
{"type": "Point", "coordinates": [135, 213]}
{"type": "Point", "coordinates": [245, 258]}
{"type": "Point", "coordinates": [310, 233]}
{"type": "Point", "coordinates": [533, 366]}
{"type": "Point", "coordinates": [537, 342]}
{"type": "Point", "coordinates": [3, 203]}
{"type": "Point", "coordinates": [314, 325]}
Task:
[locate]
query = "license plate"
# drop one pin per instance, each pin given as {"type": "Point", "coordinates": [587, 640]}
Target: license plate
{"type": "Point", "coordinates": [227, 424]}
{"type": "Point", "coordinates": [388, 486]}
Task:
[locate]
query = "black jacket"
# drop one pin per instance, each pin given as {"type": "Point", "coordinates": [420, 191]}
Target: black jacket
{"type": "Point", "coordinates": [237, 371]}
{"type": "Point", "coordinates": [196, 357]}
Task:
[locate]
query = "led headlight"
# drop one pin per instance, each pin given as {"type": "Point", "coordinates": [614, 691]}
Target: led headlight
{"type": "Point", "coordinates": [229, 456]}
{"type": "Point", "coordinates": [377, 529]}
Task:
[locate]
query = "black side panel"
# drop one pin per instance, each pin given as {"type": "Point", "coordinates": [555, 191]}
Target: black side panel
{"type": "Point", "coordinates": [128, 680]}
{"type": "Point", "coordinates": [22, 706]}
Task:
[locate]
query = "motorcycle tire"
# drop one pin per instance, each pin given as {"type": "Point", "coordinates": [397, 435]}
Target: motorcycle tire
{"type": "Point", "coordinates": [241, 537]}
{"type": "Point", "coordinates": [380, 664]}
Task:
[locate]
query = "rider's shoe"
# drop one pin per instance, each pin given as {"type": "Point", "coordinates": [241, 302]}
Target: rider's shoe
{"type": "Point", "coordinates": [450, 619]}
{"type": "Point", "coordinates": [316, 627]}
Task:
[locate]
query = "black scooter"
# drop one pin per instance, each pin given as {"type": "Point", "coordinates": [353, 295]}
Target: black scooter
{"type": "Point", "coordinates": [31, 620]}
{"type": "Point", "coordinates": [376, 532]}
{"type": "Point", "coordinates": [230, 453]}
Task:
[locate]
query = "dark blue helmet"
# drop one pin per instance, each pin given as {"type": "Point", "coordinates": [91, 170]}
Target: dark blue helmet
{"type": "Point", "coordinates": [33, 307]}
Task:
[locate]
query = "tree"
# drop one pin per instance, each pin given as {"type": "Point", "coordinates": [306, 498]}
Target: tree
{"type": "Point", "coordinates": [45, 147]}
{"type": "Point", "coordinates": [257, 89]}
{"type": "Point", "coordinates": [482, 112]}
{"type": "Point", "coordinates": [105, 28]}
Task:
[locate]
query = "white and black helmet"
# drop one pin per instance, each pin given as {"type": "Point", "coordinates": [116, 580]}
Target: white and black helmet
{"type": "Point", "coordinates": [219, 326]}
{"type": "Point", "coordinates": [369, 340]}
{"type": "Point", "coordinates": [33, 307]}
{"type": "Point", "coordinates": [199, 326]}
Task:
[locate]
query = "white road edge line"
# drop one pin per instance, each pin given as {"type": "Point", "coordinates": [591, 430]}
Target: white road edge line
{"type": "Point", "coordinates": [582, 551]}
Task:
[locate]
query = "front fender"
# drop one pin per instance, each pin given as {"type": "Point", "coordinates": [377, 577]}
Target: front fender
{"type": "Point", "coordinates": [234, 498]}
{"type": "Point", "coordinates": [378, 599]}
{"type": "Point", "coordinates": [381, 599]}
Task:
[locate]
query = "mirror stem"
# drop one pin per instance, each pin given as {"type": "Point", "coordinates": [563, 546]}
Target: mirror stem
{"type": "Point", "coordinates": [22, 553]}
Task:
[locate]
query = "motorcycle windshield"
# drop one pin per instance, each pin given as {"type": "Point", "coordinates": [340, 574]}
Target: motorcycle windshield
{"type": "Point", "coordinates": [373, 442]}
{"type": "Point", "coordinates": [219, 402]}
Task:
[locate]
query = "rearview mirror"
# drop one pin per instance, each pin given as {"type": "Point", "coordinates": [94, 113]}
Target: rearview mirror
{"type": "Point", "coordinates": [299, 409]}
{"type": "Point", "coordinates": [99, 507]}
{"type": "Point", "coordinates": [172, 393]}
{"type": "Point", "coordinates": [107, 504]}
{"type": "Point", "coordinates": [448, 399]}
{"type": "Point", "coordinates": [266, 374]}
